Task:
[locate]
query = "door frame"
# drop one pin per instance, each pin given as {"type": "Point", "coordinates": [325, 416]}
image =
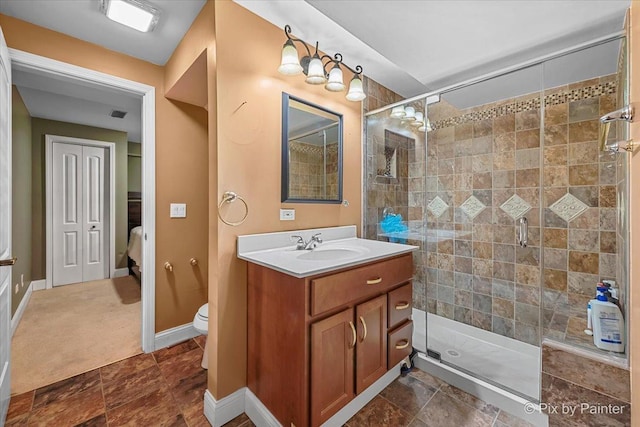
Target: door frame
{"type": "Point", "coordinates": [28, 61]}
{"type": "Point", "coordinates": [49, 140]}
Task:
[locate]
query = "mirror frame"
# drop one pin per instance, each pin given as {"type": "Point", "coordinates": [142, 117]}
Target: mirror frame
{"type": "Point", "coordinates": [285, 152]}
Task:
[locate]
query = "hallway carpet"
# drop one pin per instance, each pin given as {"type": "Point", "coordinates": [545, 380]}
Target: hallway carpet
{"type": "Point", "coordinates": [73, 329]}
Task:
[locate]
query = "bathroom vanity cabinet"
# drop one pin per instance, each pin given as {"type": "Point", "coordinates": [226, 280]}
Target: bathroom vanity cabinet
{"type": "Point", "coordinates": [316, 342]}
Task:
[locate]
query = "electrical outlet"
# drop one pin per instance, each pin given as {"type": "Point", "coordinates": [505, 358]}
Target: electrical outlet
{"type": "Point", "coordinates": [287, 214]}
{"type": "Point", "coordinates": [178, 210]}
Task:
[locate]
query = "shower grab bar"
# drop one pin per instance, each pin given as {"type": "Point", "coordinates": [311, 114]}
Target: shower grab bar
{"type": "Point", "coordinates": [523, 232]}
{"type": "Point", "coordinates": [623, 114]}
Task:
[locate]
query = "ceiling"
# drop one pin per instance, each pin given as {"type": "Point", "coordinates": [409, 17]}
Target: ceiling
{"type": "Point", "coordinates": [82, 19]}
{"type": "Point", "coordinates": [412, 47]}
{"type": "Point", "coordinates": [57, 98]}
{"type": "Point", "coordinates": [415, 47]}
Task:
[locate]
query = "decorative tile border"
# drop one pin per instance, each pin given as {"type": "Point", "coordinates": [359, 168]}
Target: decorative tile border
{"type": "Point", "coordinates": [315, 150]}
{"type": "Point", "coordinates": [562, 97]}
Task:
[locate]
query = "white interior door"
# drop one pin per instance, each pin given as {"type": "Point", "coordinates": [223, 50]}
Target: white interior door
{"type": "Point", "coordinates": [67, 214]}
{"type": "Point", "coordinates": [5, 228]}
{"type": "Point", "coordinates": [93, 203]}
{"type": "Point", "coordinates": [79, 253]}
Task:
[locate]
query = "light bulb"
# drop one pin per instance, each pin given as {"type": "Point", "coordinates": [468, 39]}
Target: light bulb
{"type": "Point", "coordinates": [397, 112]}
{"type": "Point", "coordinates": [419, 119]}
{"type": "Point", "coordinates": [409, 113]}
{"type": "Point", "coordinates": [290, 65]}
{"type": "Point", "coordinates": [335, 83]}
{"type": "Point", "coordinates": [356, 93]}
{"type": "Point", "coordinates": [315, 75]}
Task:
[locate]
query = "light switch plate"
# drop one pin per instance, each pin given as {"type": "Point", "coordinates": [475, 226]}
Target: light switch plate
{"type": "Point", "coordinates": [287, 214]}
{"type": "Point", "coordinates": [178, 210]}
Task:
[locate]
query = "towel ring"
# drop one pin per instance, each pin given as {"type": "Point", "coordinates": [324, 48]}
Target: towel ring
{"type": "Point", "coordinates": [230, 197]}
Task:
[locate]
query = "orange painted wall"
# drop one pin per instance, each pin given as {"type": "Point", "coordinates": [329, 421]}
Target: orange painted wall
{"type": "Point", "coordinates": [181, 166]}
{"type": "Point", "coordinates": [634, 212]}
{"type": "Point", "coordinates": [249, 149]}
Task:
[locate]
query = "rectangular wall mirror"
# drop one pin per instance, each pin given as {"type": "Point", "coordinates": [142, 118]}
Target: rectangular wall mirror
{"type": "Point", "coordinates": [311, 152]}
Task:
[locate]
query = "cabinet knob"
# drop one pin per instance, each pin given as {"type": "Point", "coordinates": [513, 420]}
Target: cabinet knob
{"type": "Point", "coordinates": [168, 266]}
{"type": "Point", "coordinates": [193, 262]}
{"type": "Point", "coordinates": [374, 281]}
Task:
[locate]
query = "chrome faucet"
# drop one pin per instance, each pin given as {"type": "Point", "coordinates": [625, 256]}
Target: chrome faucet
{"type": "Point", "coordinates": [301, 245]}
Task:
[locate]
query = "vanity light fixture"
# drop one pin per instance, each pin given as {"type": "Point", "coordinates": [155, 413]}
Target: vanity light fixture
{"type": "Point", "coordinates": [315, 66]}
{"type": "Point", "coordinates": [397, 112]}
{"type": "Point", "coordinates": [409, 116]}
{"type": "Point", "coordinates": [135, 14]}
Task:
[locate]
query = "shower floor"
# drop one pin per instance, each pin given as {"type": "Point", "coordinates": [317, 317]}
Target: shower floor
{"type": "Point", "coordinates": [503, 361]}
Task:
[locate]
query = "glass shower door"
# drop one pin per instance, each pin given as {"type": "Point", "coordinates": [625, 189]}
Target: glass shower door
{"type": "Point", "coordinates": [483, 279]}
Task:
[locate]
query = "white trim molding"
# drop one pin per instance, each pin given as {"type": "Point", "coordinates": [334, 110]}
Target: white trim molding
{"type": "Point", "coordinates": [257, 412]}
{"type": "Point", "coordinates": [17, 316]}
{"type": "Point", "coordinates": [120, 272]}
{"type": "Point", "coordinates": [220, 412]}
{"type": "Point", "coordinates": [176, 335]}
{"type": "Point", "coordinates": [38, 285]}
{"type": "Point", "coordinates": [21, 60]}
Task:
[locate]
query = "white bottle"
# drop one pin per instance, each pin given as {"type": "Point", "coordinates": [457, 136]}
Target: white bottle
{"type": "Point", "coordinates": [608, 325]}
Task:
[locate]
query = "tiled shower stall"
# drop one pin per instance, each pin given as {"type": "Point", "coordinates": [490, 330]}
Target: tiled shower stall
{"type": "Point", "coordinates": [486, 161]}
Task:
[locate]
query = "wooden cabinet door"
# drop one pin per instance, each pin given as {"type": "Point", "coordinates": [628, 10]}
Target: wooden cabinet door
{"type": "Point", "coordinates": [371, 350]}
{"type": "Point", "coordinates": [332, 346]}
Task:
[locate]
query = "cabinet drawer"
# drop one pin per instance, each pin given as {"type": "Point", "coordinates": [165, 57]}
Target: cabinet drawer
{"type": "Point", "coordinates": [400, 344]}
{"type": "Point", "coordinates": [399, 305]}
{"type": "Point", "coordinates": [341, 288]}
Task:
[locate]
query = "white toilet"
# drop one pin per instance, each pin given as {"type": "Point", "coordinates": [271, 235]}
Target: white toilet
{"type": "Point", "coordinates": [201, 324]}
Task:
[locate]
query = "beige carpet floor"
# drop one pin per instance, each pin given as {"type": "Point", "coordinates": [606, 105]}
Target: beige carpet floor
{"type": "Point", "coordinates": [72, 329]}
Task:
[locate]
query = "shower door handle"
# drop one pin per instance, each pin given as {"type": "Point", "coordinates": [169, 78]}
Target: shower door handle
{"type": "Point", "coordinates": [523, 233]}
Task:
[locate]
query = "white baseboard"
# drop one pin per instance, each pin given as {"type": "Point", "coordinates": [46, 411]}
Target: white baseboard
{"type": "Point", "coordinates": [39, 285]}
{"type": "Point", "coordinates": [17, 316]}
{"type": "Point", "coordinates": [257, 412]}
{"type": "Point", "coordinates": [243, 400]}
{"type": "Point", "coordinates": [220, 412]}
{"type": "Point", "coordinates": [120, 272]}
{"type": "Point", "coordinates": [175, 335]}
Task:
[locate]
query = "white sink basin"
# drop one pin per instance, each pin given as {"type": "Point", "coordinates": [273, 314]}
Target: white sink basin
{"type": "Point", "coordinates": [340, 248]}
{"type": "Point", "coordinates": [331, 254]}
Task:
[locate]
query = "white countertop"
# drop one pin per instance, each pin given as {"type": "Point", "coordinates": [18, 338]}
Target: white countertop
{"type": "Point", "coordinates": [276, 251]}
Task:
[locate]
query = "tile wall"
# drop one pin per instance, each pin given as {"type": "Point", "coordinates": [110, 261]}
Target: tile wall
{"type": "Point", "coordinates": [485, 170]}
{"type": "Point", "coordinates": [306, 171]}
{"type": "Point", "coordinates": [580, 209]}
{"type": "Point", "coordinates": [405, 192]}
{"type": "Point", "coordinates": [581, 391]}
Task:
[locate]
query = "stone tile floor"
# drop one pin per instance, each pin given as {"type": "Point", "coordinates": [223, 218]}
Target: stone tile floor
{"type": "Point", "coordinates": [166, 388]}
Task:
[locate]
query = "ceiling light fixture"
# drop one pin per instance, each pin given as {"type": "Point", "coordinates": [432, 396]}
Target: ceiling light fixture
{"type": "Point", "coordinates": [135, 14]}
{"type": "Point", "coordinates": [316, 70]}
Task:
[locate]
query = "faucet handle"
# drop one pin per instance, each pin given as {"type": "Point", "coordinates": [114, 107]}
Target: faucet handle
{"type": "Point", "coordinates": [299, 241]}
{"type": "Point", "coordinates": [316, 238]}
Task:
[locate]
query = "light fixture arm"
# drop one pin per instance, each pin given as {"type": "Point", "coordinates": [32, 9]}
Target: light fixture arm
{"type": "Point", "coordinates": [287, 32]}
